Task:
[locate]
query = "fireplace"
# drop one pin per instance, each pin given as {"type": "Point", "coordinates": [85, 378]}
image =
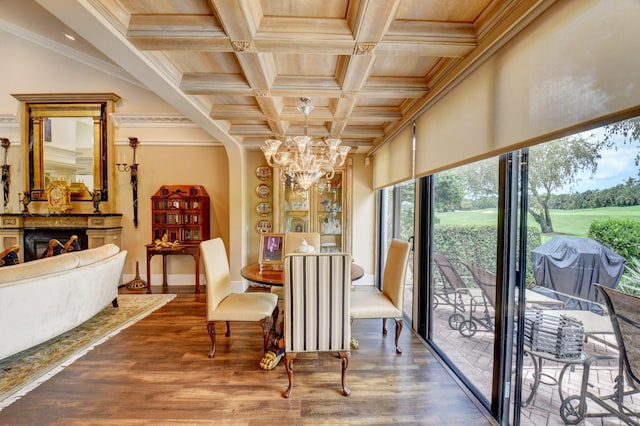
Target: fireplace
{"type": "Point", "coordinates": [36, 241]}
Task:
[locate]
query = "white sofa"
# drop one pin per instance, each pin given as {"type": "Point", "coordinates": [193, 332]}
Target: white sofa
{"type": "Point", "coordinates": [47, 297]}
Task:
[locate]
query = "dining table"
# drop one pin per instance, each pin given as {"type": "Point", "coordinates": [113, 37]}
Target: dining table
{"type": "Point", "coordinates": [274, 277]}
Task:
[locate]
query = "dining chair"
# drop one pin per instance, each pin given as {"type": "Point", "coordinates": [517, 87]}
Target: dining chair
{"type": "Point", "coordinates": [368, 302]}
{"type": "Point", "coordinates": [223, 305]}
{"type": "Point", "coordinates": [292, 242]}
{"type": "Point", "coordinates": [317, 294]}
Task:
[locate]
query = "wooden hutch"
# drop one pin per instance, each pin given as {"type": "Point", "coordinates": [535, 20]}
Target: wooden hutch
{"type": "Point", "coordinates": [181, 212]}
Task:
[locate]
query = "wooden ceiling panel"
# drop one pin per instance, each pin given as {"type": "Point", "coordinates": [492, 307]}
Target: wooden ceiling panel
{"type": "Point", "coordinates": [205, 62]}
{"type": "Point", "coordinates": [369, 65]}
{"type": "Point", "coordinates": [167, 7]}
{"type": "Point", "coordinates": [402, 66]}
{"type": "Point", "coordinates": [442, 10]}
{"type": "Point", "coordinates": [305, 8]}
{"type": "Point", "coordinates": [307, 65]}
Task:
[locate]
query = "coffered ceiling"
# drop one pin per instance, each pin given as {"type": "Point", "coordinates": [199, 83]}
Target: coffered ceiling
{"type": "Point", "coordinates": [369, 65]}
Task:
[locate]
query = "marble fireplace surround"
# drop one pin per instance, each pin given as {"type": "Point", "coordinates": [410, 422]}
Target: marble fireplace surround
{"type": "Point", "coordinates": [32, 232]}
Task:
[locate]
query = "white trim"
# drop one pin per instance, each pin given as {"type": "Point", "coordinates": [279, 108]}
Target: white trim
{"type": "Point", "coordinates": [173, 142]}
{"type": "Point", "coordinates": [126, 120]}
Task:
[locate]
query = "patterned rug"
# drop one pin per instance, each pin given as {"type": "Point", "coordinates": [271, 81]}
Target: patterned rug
{"type": "Point", "coordinates": [24, 371]}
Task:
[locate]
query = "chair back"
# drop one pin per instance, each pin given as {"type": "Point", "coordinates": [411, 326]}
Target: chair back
{"type": "Point", "coordinates": [395, 269]}
{"type": "Point", "coordinates": [216, 271]}
{"type": "Point", "coordinates": [317, 295]}
{"type": "Point", "coordinates": [449, 272]}
{"type": "Point", "coordinates": [292, 241]}
{"type": "Point", "coordinates": [486, 281]}
{"type": "Point", "coordinates": [624, 311]}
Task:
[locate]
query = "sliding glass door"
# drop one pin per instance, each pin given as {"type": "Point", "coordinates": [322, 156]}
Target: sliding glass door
{"type": "Point", "coordinates": [396, 207]}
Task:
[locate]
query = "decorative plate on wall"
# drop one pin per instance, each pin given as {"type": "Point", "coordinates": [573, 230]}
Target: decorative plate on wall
{"type": "Point", "coordinates": [263, 209]}
{"type": "Point", "coordinates": [263, 226]}
{"type": "Point", "coordinates": [263, 172]}
{"type": "Point", "coordinates": [263, 190]}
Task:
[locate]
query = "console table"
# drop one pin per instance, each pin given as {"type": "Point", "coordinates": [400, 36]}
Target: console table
{"type": "Point", "coordinates": [32, 232]}
{"type": "Point", "coordinates": [190, 249]}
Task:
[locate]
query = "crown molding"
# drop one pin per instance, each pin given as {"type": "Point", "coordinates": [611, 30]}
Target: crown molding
{"type": "Point", "coordinates": [124, 120]}
{"type": "Point", "coordinates": [171, 143]}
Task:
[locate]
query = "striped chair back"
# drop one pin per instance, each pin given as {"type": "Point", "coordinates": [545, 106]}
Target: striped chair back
{"type": "Point", "coordinates": [317, 294]}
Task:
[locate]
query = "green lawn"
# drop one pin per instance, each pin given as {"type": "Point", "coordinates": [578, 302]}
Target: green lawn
{"type": "Point", "coordinates": [565, 222]}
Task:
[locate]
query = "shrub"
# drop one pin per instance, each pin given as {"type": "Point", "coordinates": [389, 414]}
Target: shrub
{"type": "Point", "coordinates": [476, 245]}
{"type": "Point", "coordinates": [620, 235]}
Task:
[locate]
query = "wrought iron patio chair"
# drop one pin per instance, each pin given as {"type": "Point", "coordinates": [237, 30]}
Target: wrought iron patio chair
{"type": "Point", "coordinates": [454, 291]}
{"type": "Point", "coordinates": [624, 311]}
{"type": "Point", "coordinates": [486, 281]}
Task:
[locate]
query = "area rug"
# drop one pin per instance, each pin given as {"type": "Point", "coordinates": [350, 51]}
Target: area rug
{"type": "Point", "coordinates": [24, 371]}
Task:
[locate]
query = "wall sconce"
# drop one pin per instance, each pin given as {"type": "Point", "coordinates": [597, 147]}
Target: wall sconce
{"type": "Point", "coordinates": [133, 169]}
{"type": "Point", "coordinates": [25, 199]}
{"type": "Point", "coordinates": [95, 197]}
{"type": "Point", "coordinates": [6, 174]}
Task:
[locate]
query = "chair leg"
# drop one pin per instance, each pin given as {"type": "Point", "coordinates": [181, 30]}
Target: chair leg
{"type": "Point", "coordinates": [399, 324]}
{"type": "Point", "coordinates": [288, 364]}
{"type": "Point", "coordinates": [384, 326]}
{"type": "Point", "coordinates": [228, 333]}
{"type": "Point", "coordinates": [211, 328]}
{"type": "Point", "coordinates": [344, 357]}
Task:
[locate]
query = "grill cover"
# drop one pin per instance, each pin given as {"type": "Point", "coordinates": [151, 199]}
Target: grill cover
{"type": "Point", "coordinates": [572, 266]}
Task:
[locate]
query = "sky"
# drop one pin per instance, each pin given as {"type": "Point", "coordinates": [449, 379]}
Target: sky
{"type": "Point", "coordinates": [614, 168]}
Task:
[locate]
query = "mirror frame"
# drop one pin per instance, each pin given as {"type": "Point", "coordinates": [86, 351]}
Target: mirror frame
{"type": "Point", "coordinates": [35, 107]}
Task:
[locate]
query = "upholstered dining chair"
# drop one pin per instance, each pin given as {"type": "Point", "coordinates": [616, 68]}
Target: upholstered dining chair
{"type": "Point", "coordinates": [294, 241]}
{"type": "Point", "coordinates": [223, 305]}
{"type": "Point", "coordinates": [317, 294]}
{"type": "Point", "coordinates": [368, 302]}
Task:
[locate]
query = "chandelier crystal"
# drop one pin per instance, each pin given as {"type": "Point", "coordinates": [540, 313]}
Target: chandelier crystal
{"type": "Point", "coordinates": [302, 160]}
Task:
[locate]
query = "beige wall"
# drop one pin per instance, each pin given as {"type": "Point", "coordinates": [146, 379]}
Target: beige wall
{"type": "Point", "coordinates": [171, 165]}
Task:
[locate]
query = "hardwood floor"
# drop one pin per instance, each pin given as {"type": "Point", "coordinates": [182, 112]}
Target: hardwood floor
{"type": "Point", "coordinates": [157, 372]}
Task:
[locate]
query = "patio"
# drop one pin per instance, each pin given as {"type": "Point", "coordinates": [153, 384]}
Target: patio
{"type": "Point", "coordinates": [473, 355]}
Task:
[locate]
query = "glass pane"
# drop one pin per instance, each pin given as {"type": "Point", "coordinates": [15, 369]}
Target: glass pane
{"type": "Point", "coordinates": [329, 213]}
{"type": "Point", "coordinates": [464, 247]}
{"type": "Point", "coordinates": [406, 192]}
{"type": "Point", "coordinates": [583, 209]}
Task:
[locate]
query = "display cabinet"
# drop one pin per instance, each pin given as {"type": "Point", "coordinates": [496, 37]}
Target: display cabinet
{"type": "Point", "coordinates": [325, 208]}
{"type": "Point", "coordinates": [181, 212]}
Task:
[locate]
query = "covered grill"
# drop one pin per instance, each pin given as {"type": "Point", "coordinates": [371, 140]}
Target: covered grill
{"type": "Point", "coordinates": [572, 266]}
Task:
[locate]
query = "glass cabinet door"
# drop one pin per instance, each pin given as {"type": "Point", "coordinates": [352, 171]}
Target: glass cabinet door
{"type": "Point", "coordinates": [328, 211]}
{"type": "Point", "coordinates": [296, 210]}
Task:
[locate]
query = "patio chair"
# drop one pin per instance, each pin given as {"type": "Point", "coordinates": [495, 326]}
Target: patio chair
{"type": "Point", "coordinates": [317, 299]}
{"type": "Point", "coordinates": [223, 305]}
{"type": "Point", "coordinates": [624, 311]}
{"type": "Point", "coordinates": [486, 281]}
{"type": "Point", "coordinates": [453, 290]}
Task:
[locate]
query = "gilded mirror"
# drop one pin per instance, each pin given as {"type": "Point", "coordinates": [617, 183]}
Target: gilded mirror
{"type": "Point", "coordinates": [68, 142]}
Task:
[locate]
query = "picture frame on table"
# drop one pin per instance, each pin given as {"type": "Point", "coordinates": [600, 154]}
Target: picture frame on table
{"type": "Point", "coordinates": [271, 252]}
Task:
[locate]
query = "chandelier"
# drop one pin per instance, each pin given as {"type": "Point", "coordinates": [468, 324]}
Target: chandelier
{"type": "Point", "coordinates": [301, 160]}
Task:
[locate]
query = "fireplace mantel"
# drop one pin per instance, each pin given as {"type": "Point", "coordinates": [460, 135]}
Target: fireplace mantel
{"type": "Point", "coordinates": [32, 232]}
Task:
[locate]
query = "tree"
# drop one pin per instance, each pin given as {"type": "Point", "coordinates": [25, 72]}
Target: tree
{"type": "Point", "coordinates": [556, 164]}
{"type": "Point", "coordinates": [629, 129]}
{"type": "Point", "coordinates": [448, 191]}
